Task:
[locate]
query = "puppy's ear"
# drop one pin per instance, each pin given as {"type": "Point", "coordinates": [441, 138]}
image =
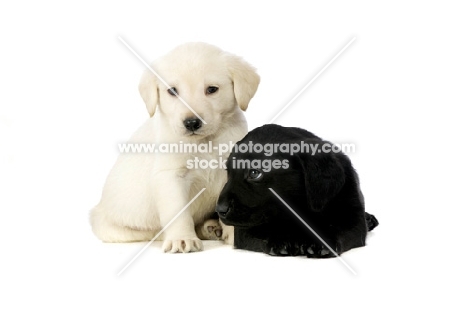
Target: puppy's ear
{"type": "Point", "coordinates": [324, 177]}
{"type": "Point", "coordinates": [245, 80]}
{"type": "Point", "coordinates": [148, 88]}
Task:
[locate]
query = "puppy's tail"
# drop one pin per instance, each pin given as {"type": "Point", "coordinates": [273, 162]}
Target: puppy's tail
{"type": "Point", "coordinates": [371, 221]}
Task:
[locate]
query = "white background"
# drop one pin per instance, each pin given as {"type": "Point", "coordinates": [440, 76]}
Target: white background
{"type": "Point", "coordinates": [69, 95]}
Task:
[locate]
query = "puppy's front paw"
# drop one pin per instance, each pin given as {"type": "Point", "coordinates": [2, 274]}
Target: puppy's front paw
{"type": "Point", "coordinates": [314, 250]}
{"type": "Point", "coordinates": [318, 250]}
{"type": "Point", "coordinates": [282, 249]}
{"type": "Point", "coordinates": [183, 245]}
{"type": "Point", "coordinates": [210, 230]}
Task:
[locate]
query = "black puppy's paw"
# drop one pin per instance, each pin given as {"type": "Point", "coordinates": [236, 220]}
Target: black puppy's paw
{"type": "Point", "coordinates": [319, 250]}
{"type": "Point", "coordinates": [282, 249]}
{"type": "Point", "coordinates": [311, 250]}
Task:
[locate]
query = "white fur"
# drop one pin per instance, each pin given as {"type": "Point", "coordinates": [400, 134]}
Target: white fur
{"type": "Point", "coordinates": [143, 192]}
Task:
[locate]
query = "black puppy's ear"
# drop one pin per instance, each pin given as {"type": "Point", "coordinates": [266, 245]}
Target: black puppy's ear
{"type": "Point", "coordinates": [324, 177]}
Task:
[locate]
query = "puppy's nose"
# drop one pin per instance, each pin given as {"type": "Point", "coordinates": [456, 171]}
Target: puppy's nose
{"type": "Point", "coordinates": [222, 209]}
{"type": "Point", "coordinates": [192, 124]}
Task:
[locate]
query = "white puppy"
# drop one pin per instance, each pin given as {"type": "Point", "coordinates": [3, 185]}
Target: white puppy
{"type": "Point", "coordinates": [144, 192]}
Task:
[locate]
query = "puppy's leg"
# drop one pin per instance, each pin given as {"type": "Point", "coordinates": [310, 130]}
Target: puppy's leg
{"type": "Point", "coordinates": [107, 231]}
{"type": "Point", "coordinates": [172, 192]}
{"type": "Point", "coordinates": [180, 236]}
{"type": "Point", "coordinates": [244, 239]}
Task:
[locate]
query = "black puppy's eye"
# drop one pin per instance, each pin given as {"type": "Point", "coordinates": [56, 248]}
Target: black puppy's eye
{"type": "Point", "coordinates": [211, 89]}
{"type": "Point", "coordinates": [172, 91]}
{"type": "Point", "coordinates": [255, 174]}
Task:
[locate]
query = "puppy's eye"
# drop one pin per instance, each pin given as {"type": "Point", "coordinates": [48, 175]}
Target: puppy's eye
{"type": "Point", "coordinates": [255, 174]}
{"type": "Point", "coordinates": [211, 89]}
{"type": "Point", "coordinates": [172, 91]}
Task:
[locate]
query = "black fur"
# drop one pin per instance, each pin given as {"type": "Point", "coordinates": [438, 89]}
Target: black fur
{"type": "Point", "coordinates": [322, 189]}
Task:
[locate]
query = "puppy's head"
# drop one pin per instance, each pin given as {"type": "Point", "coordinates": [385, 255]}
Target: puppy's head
{"type": "Point", "coordinates": [307, 183]}
{"type": "Point", "coordinates": [200, 80]}
{"type": "Point", "coordinates": [246, 200]}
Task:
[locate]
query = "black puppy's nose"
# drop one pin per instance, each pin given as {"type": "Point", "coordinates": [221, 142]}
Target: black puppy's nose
{"type": "Point", "coordinates": [192, 124]}
{"type": "Point", "coordinates": [222, 209]}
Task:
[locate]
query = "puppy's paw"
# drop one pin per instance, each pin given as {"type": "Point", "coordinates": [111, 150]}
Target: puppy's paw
{"type": "Point", "coordinates": [318, 250]}
{"type": "Point", "coordinates": [314, 250]}
{"type": "Point", "coordinates": [183, 245]}
{"type": "Point", "coordinates": [282, 249]}
{"type": "Point", "coordinates": [228, 233]}
{"type": "Point", "coordinates": [210, 230]}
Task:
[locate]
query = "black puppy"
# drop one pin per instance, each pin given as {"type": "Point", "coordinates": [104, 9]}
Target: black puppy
{"type": "Point", "coordinates": [323, 189]}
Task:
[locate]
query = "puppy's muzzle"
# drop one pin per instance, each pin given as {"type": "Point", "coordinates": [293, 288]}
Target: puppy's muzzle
{"type": "Point", "coordinates": [223, 210]}
{"type": "Point", "coordinates": [193, 124]}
